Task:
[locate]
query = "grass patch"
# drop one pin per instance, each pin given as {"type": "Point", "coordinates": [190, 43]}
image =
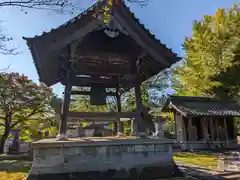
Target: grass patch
{"type": "Point", "coordinates": [12, 176]}
{"type": "Point", "coordinates": [14, 169]}
{"type": "Point", "coordinates": [202, 160]}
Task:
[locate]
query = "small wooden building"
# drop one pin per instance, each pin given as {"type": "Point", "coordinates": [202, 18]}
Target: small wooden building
{"type": "Point", "coordinates": [204, 123]}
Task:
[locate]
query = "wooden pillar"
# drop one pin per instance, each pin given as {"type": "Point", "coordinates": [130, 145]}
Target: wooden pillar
{"type": "Point", "coordinates": [115, 128]}
{"type": "Point", "coordinates": [225, 129]}
{"type": "Point", "coordinates": [234, 129]}
{"type": "Point", "coordinates": [64, 111]}
{"type": "Point", "coordinates": [133, 127]}
{"type": "Point", "coordinates": [211, 129]}
{"type": "Point", "coordinates": [120, 124]}
{"type": "Point", "coordinates": [190, 131]}
{"type": "Point", "coordinates": [179, 123]}
{"type": "Point", "coordinates": [139, 108]}
{"type": "Point", "coordinates": [175, 124]}
{"type": "Point", "coordinates": [217, 129]}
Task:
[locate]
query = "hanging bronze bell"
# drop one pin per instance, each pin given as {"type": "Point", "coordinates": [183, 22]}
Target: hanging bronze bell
{"type": "Point", "coordinates": [97, 95]}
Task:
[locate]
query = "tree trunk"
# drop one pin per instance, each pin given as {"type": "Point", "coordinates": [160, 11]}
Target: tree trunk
{"type": "Point", "coordinates": [3, 140]}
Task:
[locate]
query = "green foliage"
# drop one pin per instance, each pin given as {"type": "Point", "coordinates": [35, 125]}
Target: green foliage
{"type": "Point", "coordinates": [82, 104]}
{"type": "Point", "coordinates": [24, 105]}
{"type": "Point", "coordinates": [127, 128]}
{"type": "Point", "coordinates": [211, 65]}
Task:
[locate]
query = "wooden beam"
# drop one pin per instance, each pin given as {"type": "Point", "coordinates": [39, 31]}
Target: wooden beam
{"type": "Point", "coordinates": [106, 68]}
{"type": "Point", "coordinates": [88, 93]}
{"type": "Point", "coordinates": [103, 55]}
{"type": "Point", "coordinates": [90, 119]}
{"type": "Point", "coordinates": [102, 114]}
{"type": "Point", "coordinates": [99, 119]}
{"type": "Point", "coordinates": [88, 81]}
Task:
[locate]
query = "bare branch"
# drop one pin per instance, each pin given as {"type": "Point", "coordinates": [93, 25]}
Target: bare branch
{"type": "Point", "coordinates": [60, 6]}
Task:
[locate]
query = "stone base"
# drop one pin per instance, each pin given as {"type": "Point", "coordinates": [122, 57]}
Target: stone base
{"type": "Point", "coordinates": [109, 158]}
{"type": "Point", "coordinates": [149, 173]}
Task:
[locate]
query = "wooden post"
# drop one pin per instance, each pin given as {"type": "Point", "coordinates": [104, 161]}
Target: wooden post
{"type": "Point", "coordinates": [234, 130]}
{"type": "Point", "coordinates": [225, 130]}
{"type": "Point", "coordinates": [140, 120]}
{"type": "Point", "coordinates": [115, 128]}
{"type": "Point", "coordinates": [120, 124]}
{"type": "Point", "coordinates": [190, 131]}
{"type": "Point", "coordinates": [175, 124]}
{"type": "Point", "coordinates": [133, 127]}
{"type": "Point", "coordinates": [217, 129]}
{"type": "Point", "coordinates": [64, 111]}
{"type": "Point", "coordinates": [211, 129]}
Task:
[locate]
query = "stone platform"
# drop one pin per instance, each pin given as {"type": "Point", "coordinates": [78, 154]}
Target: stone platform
{"type": "Point", "coordinates": [108, 158]}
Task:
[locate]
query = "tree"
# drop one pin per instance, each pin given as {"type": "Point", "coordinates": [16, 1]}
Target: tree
{"type": "Point", "coordinates": [22, 102]}
{"type": "Point", "coordinates": [211, 66]}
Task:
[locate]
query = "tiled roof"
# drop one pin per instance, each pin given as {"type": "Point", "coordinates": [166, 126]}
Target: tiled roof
{"type": "Point", "coordinates": [38, 46]}
{"type": "Point", "coordinates": [98, 4]}
{"type": "Point", "coordinates": [202, 106]}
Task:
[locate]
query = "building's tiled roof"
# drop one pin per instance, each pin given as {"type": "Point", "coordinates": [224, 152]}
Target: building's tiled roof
{"type": "Point", "coordinates": [38, 44]}
{"type": "Point", "coordinates": [202, 106]}
{"type": "Point", "coordinates": [98, 5]}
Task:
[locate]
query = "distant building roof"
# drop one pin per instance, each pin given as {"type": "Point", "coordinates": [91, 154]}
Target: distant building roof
{"type": "Point", "coordinates": [202, 106]}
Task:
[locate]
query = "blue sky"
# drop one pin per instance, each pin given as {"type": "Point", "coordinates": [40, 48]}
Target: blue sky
{"type": "Point", "coordinates": [169, 20]}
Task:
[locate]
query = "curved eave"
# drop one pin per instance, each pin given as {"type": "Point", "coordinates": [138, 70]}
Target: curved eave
{"type": "Point", "coordinates": [71, 21]}
{"type": "Point", "coordinates": [173, 56]}
{"type": "Point", "coordinates": [36, 60]}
